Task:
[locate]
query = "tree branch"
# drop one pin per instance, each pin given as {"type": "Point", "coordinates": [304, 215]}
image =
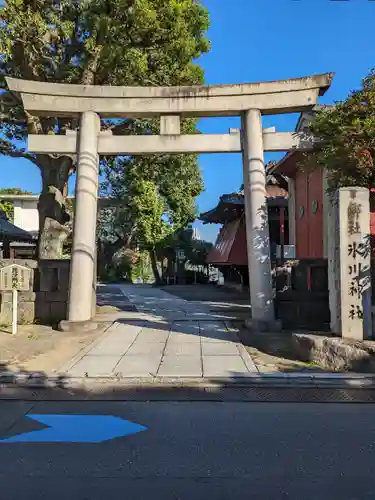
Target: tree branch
{"type": "Point", "coordinates": [21, 154]}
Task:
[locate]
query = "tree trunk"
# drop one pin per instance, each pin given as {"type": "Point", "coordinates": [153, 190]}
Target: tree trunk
{"type": "Point", "coordinates": [154, 266]}
{"type": "Point", "coordinates": [53, 217]}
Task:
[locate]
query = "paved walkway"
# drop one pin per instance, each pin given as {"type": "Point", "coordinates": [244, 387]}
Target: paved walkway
{"type": "Point", "coordinates": [156, 334]}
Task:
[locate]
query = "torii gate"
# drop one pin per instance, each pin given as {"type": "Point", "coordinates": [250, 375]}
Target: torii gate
{"type": "Point", "coordinates": [89, 103]}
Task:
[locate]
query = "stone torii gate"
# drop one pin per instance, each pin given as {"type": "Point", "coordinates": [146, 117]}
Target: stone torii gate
{"type": "Point", "coordinates": [90, 103]}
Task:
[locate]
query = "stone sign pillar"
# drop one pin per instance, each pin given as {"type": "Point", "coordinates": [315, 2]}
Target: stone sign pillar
{"type": "Point", "coordinates": [85, 214]}
{"type": "Point", "coordinates": [256, 215]}
{"type": "Point", "coordinates": [349, 263]}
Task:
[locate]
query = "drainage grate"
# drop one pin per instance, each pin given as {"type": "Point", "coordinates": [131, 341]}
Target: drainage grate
{"type": "Point", "coordinates": [190, 394]}
{"type": "Point", "coordinates": [296, 395]}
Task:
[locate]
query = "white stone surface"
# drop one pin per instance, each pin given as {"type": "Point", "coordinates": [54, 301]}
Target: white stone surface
{"type": "Point", "coordinates": [219, 349]}
{"type": "Point", "coordinates": [281, 96]}
{"type": "Point", "coordinates": [151, 349]}
{"type": "Point", "coordinates": [183, 349]}
{"type": "Point", "coordinates": [168, 144]}
{"type": "Point", "coordinates": [140, 365]}
{"type": "Point", "coordinates": [112, 346]}
{"type": "Point", "coordinates": [83, 259]}
{"type": "Point", "coordinates": [95, 366]}
{"type": "Point", "coordinates": [224, 366]}
{"type": "Point", "coordinates": [257, 230]}
{"type": "Point", "coordinates": [322, 82]}
{"type": "Point", "coordinates": [181, 366]}
{"type": "Point", "coordinates": [172, 349]}
{"type": "Point", "coordinates": [153, 335]}
{"type": "Point", "coordinates": [183, 338]}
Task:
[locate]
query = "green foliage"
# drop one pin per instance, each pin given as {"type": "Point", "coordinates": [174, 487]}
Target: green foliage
{"type": "Point", "coordinates": [195, 250]}
{"type": "Point", "coordinates": [7, 205]}
{"type": "Point", "coordinates": [176, 178]}
{"type": "Point", "coordinates": [122, 42]}
{"type": "Point", "coordinates": [96, 42]}
{"type": "Point", "coordinates": [148, 206]}
{"type": "Point", "coordinates": [346, 134]}
{"type": "Point", "coordinates": [174, 181]}
{"type": "Point", "coordinates": [141, 268]}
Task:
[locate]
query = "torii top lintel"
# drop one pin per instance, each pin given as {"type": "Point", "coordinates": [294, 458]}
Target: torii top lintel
{"type": "Point", "coordinates": [273, 97]}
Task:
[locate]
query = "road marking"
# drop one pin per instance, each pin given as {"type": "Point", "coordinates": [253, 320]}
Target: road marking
{"type": "Point", "coordinates": [76, 429]}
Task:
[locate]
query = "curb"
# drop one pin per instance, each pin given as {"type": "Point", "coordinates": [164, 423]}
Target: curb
{"type": "Point", "coordinates": [284, 380]}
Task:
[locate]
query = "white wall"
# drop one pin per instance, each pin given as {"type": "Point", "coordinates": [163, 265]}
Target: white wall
{"type": "Point", "coordinates": [26, 214]}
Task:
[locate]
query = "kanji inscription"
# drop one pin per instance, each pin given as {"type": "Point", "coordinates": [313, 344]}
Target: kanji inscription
{"type": "Point", "coordinates": [15, 277]}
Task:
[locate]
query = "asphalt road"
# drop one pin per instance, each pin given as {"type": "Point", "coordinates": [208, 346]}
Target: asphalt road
{"type": "Point", "coordinates": [196, 451]}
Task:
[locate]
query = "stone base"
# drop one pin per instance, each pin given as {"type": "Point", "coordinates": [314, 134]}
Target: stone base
{"type": "Point", "coordinates": [77, 326]}
{"type": "Point", "coordinates": [335, 353]}
{"type": "Point", "coordinates": [257, 325]}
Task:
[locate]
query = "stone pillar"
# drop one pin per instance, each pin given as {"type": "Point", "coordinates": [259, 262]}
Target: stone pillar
{"type": "Point", "coordinates": [84, 231]}
{"type": "Point", "coordinates": [349, 263]}
{"type": "Point", "coordinates": [256, 214]}
{"type": "Point", "coordinates": [292, 211]}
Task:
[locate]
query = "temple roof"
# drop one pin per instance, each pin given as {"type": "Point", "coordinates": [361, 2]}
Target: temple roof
{"type": "Point", "coordinates": [12, 232]}
{"type": "Point", "coordinates": [231, 206]}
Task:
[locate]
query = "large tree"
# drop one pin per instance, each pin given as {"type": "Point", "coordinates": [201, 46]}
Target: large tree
{"type": "Point", "coordinates": [346, 138]}
{"type": "Point", "coordinates": [174, 179]}
{"type": "Point", "coordinates": [91, 42]}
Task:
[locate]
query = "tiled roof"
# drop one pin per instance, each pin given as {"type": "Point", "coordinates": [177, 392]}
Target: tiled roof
{"type": "Point", "coordinates": [12, 232]}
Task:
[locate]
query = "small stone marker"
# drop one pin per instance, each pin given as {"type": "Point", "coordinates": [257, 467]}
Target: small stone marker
{"type": "Point", "coordinates": [14, 278]}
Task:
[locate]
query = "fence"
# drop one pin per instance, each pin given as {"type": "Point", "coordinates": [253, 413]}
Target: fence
{"type": "Point", "coordinates": [302, 300]}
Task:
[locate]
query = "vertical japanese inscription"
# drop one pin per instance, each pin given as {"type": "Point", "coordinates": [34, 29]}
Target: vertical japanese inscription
{"type": "Point", "coordinates": [358, 252]}
{"type": "Point", "coordinates": [14, 277]}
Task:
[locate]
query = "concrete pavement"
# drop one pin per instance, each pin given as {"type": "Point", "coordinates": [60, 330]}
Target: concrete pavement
{"type": "Point", "coordinates": [199, 450]}
{"type": "Point", "coordinates": [161, 335]}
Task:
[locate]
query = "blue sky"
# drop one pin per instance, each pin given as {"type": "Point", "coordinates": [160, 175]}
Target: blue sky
{"type": "Point", "coordinates": [255, 40]}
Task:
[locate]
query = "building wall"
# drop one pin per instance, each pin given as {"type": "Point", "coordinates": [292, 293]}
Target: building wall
{"type": "Point", "coordinates": [372, 220]}
{"type": "Point", "coordinates": [312, 231]}
{"type": "Point", "coordinates": [309, 215]}
{"type": "Point", "coordinates": [26, 214]}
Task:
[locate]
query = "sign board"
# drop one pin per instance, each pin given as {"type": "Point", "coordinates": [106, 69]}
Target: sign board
{"type": "Point", "coordinates": [289, 252]}
{"type": "Point", "coordinates": [180, 254]}
{"type": "Point", "coordinates": [15, 277]}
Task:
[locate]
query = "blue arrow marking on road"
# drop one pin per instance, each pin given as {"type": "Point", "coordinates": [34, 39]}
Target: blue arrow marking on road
{"type": "Point", "coordinates": [76, 429]}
